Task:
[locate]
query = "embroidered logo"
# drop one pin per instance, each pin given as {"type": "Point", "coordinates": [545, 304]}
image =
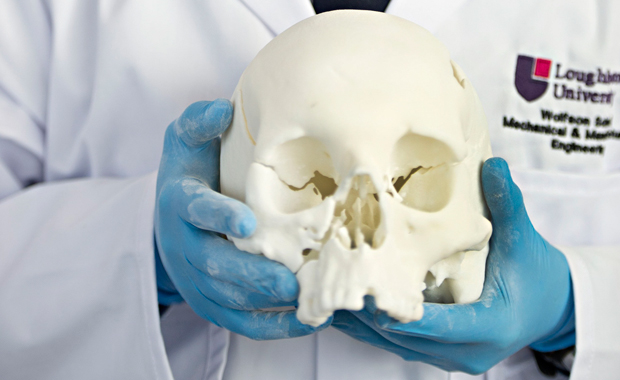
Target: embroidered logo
{"type": "Point", "coordinates": [582, 130]}
{"type": "Point", "coordinates": [531, 76]}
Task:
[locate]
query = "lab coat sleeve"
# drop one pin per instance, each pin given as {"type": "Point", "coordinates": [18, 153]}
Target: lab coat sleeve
{"type": "Point", "coordinates": [24, 59]}
{"type": "Point", "coordinates": [596, 282]}
{"type": "Point", "coordinates": [77, 287]}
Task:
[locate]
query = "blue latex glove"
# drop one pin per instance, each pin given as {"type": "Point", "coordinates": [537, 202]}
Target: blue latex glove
{"type": "Point", "coordinates": [527, 298]}
{"type": "Point", "coordinates": [221, 283]}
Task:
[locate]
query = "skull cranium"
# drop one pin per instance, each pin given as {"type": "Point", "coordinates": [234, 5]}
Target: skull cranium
{"type": "Point", "coordinates": [358, 143]}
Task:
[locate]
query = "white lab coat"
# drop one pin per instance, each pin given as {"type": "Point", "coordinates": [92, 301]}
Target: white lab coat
{"type": "Point", "coordinates": [87, 89]}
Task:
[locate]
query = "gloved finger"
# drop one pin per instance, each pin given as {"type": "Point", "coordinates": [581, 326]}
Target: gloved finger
{"type": "Point", "coordinates": [502, 195]}
{"type": "Point", "coordinates": [220, 259]}
{"type": "Point", "coordinates": [398, 339]}
{"type": "Point", "coordinates": [257, 325]}
{"type": "Point", "coordinates": [203, 121]}
{"type": "Point", "coordinates": [208, 210]}
{"type": "Point", "coordinates": [445, 355]}
{"type": "Point", "coordinates": [233, 297]}
{"type": "Point", "coordinates": [349, 324]}
{"type": "Point", "coordinates": [453, 323]}
{"type": "Point", "coordinates": [379, 319]}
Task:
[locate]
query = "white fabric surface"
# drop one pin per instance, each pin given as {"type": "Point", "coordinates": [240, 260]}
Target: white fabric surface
{"type": "Point", "coordinates": [87, 89]}
{"type": "Point", "coordinates": [77, 291]}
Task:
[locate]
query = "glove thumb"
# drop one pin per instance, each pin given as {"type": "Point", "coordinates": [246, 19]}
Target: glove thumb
{"type": "Point", "coordinates": [191, 146]}
{"type": "Point", "coordinates": [503, 197]}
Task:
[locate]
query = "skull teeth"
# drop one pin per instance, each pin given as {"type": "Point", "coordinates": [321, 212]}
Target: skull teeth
{"type": "Point", "coordinates": [343, 236]}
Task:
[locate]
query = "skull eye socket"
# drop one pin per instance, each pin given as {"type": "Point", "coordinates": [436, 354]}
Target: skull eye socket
{"type": "Point", "coordinates": [307, 175]}
{"type": "Point", "coordinates": [320, 184]}
{"type": "Point", "coordinates": [422, 172]}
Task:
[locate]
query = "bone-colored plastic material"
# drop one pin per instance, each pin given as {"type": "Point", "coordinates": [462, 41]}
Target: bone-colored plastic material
{"type": "Point", "coordinates": [358, 144]}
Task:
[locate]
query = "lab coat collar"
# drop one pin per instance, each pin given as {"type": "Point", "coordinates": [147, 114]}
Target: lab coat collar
{"type": "Point", "coordinates": [402, 9]}
{"type": "Point", "coordinates": [431, 15]}
{"type": "Point", "coordinates": [279, 15]}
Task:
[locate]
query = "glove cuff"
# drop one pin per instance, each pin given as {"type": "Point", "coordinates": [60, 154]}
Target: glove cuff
{"type": "Point", "coordinates": [563, 337]}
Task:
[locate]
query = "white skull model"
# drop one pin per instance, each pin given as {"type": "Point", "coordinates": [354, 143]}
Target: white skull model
{"type": "Point", "coordinates": [358, 145]}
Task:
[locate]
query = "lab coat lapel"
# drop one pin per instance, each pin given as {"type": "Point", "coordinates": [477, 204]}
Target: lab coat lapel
{"type": "Point", "coordinates": [279, 15]}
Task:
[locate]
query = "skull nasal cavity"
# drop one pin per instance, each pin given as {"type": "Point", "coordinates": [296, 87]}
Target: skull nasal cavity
{"type": "Point", "coordinates": [357, 220]}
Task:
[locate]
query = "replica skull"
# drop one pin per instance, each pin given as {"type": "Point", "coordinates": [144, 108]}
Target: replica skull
{"type": "Point", "coordinates": [358, 145]}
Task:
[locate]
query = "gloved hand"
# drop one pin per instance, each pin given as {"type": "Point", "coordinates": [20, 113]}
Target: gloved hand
{"type": "Point", "coordinates": [527, 298]}
{"type": "Point", "coordinates": [221, 283]}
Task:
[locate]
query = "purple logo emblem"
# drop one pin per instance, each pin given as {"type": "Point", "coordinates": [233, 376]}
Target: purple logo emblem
{"type": "Point", "coordinates": [531, 76]}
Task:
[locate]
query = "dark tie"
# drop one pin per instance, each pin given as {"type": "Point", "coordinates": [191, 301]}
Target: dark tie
{"type": "Point", "coordinates": [331, 5]}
